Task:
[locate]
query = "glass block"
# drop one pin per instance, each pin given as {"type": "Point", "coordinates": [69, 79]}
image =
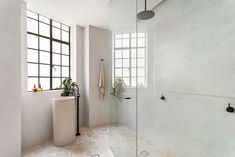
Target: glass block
{"type": "Point", "coordinates": [65, 60]}
{"type": "Point", "coordinates": [32, 15]}
{"type": "Point", "coordinates": [141, 42]}
{"type": "Point", "coordinates": [56, 82]}
{"type": "Point", "coordinates": [141, 81]}
{"type": "Point", "coordinates": [126, 53]}
{"type": "Point", "coordinates": [133, 42]}
{"type": "Point", "coordinates": [65, 49]}
{"type": "Point", "coordinates": [118, 43]}
{"type": "Point", "coordinates": [65, 71]}
{"type": "Point", "coordinates": [118, 53]}
{"type": "Point", "coordinates": [118, 62]}
{"type": "Point", "coordinates": [44, 19]}
{"type": "Point", "coordinates": [56, 24]}
{"type": "Point", "coordinates": [32, 41]}
{"type": "Point", "coordinates": [133, 62]}
{"type": "Point", "coordinates": [56, 71]}
{"type": "Point", "coordinates": [44, 29]}
{"type": "Point", "coordinates": [56, 47]}
{"type": "Point", "coordinates": [133, 53]}
{"type": "Point", "coordinates": [126, 81]}
{"type": "Point", "coordinates": [133, 35]}
{"type": "Point", "coordinates": [125, 35]}
{"type": "Point", "coordinates": [126, 72]}
{"type": "Point", "coordinates": [56, 59]}
{"type": "Point", "coordinates": [133, 82]}
{"type": "Point", "coordinates": [56, 33]}
{"type": "Point", "coordinates": [141, 52]}
{"type": "Point", "coordinates": [133, 72]}
{"type": "Point", "coordinates": [118, 35]}
{"type": "Point", "coordinates": [65, 36]}
{"type": "Point", "coordinates": [126, 43]}
{"type": "Point", "coordinates": [126, 63]}
{"type": "Point", "coordinates": [44, 70]}
{"type": "Point", "coordinates": [31, 82]}
{"type": "Point", "coordinates": [32, 26]}
{"type": "Point", "coordinates": [141, 62]}
{"type": "Point", "coordinates": [118, 72]}
{"type": "Point", "coordinates": [64, 27]}
{"type": "Point", "coordinates": [32, 55]}
{"type": "Point", "coordinates": [32, 69]}
{"type": "Point", "coordinates": [141, 35]}
{"type": "Point", "coordinates": [44, 57]}
{"type": "Point", "coordinates": [45, 83]}
{"type": "Point", "coordinates": [141, 72]}
{"type": "Point", "coordinates": [44, 44]}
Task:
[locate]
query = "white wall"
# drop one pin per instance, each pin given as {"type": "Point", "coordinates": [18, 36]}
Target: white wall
{"type": "Point", "coordinates": [97, 48]}
{"type": "Point", "coordinates": [10, 101]}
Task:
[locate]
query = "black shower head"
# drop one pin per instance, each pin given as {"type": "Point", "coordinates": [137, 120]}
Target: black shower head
{"type": "Point", "coordinates": [146, 14]}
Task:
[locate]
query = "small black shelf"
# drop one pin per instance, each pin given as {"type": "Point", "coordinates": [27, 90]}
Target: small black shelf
{"type": "Point", "coordinates": [121, 96]}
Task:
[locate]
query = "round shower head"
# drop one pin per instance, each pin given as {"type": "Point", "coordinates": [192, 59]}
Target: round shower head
{"type": "Point", "coordinates": [145, 15]}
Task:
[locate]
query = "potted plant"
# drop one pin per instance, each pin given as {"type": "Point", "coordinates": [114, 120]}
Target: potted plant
{"type": "Point", "coordinates": [118, 86]}
{"type": "Point", "coordinates": [69, 87]}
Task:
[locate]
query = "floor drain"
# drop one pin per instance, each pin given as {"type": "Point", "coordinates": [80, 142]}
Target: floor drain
{"type": "Point", "coordinates": [144, 153]}
{"type": "Point", "coordinates": [97, 155]}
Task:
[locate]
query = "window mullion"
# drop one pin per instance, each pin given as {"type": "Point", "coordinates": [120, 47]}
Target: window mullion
{"type": "Point", "coordinates": [51, 65]}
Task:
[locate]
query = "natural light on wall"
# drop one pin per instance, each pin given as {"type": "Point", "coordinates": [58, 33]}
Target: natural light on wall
{"type": "Point", "coordinates": [48, 52]}
{"type": "Point", "coordinates": [129, 58]}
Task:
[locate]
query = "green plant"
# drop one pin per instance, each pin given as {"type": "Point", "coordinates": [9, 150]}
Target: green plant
{"type": "Point", "coordinates": [69, 87]}
{"type": "Point", "coordinates": [118, 86]}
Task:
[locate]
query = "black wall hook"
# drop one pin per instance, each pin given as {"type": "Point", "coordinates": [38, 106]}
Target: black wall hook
{"type": "Point", "coordinates": [229, 108]}
{"type": "Point", "coordinates": [163, 97]}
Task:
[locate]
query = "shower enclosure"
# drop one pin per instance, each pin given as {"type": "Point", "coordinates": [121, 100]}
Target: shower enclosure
{"type": "Point", "coordinates": [177, 67]}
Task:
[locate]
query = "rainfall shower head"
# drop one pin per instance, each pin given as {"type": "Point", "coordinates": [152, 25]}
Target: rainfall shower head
{"type": "Point", "coordinates": [146, 14]}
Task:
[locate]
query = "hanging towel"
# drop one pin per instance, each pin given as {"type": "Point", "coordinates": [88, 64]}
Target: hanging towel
{"type": "Point", "coordinates": [101, 80]}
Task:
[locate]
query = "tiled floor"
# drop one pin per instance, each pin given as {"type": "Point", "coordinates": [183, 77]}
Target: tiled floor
{"type": "Point", "coordinates": [107, 141]}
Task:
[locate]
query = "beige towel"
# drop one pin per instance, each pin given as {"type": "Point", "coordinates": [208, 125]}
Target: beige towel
{"type": "Point", "coordinates": [101, 81]}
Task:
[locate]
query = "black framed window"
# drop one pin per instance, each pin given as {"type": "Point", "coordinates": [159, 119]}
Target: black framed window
{"type": "Point", "coordinates": [48, 51]}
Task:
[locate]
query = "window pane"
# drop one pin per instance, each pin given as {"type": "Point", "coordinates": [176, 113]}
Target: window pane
{"type": "Point", "coordinates": [141, 72]}
{"type": "Point", "coordinates": [45, 83]}
{"type": "Point", "coordinates": [56, 47]}
{"type": "Point", "coordinates": [32, 41]}
{"type": "Point", "coordinates": [141, 81]}
{"type": "Point", "coordinates": [133, 53]}
{"type": "Point", "coordinates": [118, 35]}
{"type": "Point", "coordinates": [65, 60]}
{"type": "Point", "coordinates": [133, 71]}
{"type": "Point", "coordinates": [56, 33]}
{"type": "Point", "coordinates": [133, 82]}
{"type": "Point", "coordinates": [65, 36]}
{"type": "Point", "coordinates": [141, 62]}
{"type": "Point", "coordinates": [56, 82]}
{"type": "Point", "coordinates": [141, 42]}
{"type": "Point", "coordinates": [126, 63]}
{"type": "Point", "coordinates": [133, 35]}
{"type": "Point", "coordinates": [118, 63]}
{"type": "Point", "coordinates": [141, 35]}
{"type": "Point", "coordinates": [133, 62]}
{"type": "Point", "coordinates": [32, 69]}
{"type": "Point", "coordinates": [31, 83]}
{"type": "Point", "coordinates": [133, 42]}
{"type": "Point", "coordinates": [32, 26]}
{"type": "Point", "coordinates": [65, 71]}
{"type": "Point", "coordinates": [32, 55]}
{"type": "Point", "coordinates": [118, 43]}
{"type": "Point", "coordinates": [118, 53]}
{"type": "Point", "coordinates": [56, 71]}
{"type": "Point", "coordinates": [56, 24]}
{"type": "Point", "coordinates": [126, 53]}
{"type": "Point", "coordinates": [126, 81]}
{"type": "Point", "coordinates": [126, 43]}
{"type": "Point", "coordinates": [118, 72]}
{"type": "Point", "coordinates": [32, 14]}
{"type": "Point", "coordinates": [64, 27]}
{"type": "Point", "coordinates": [44, 29]}
{"type": "Point", "coordinates": [126, 72]}
{"type": "Point", "coordinates": [65, 49]}
{"type": "Point", "coordinates": [125, 36]}
{"type": "Point", "coordinates": [44, 44]}
{"type": "Point", "coordinates": [141, 52]}
{"type": "Point", "coordinates": [56, 59]}
{"type": "Point", "coordinates": [44, 19]}
{"type": "Point", "coordinates": [44, 57]}
{"type": "Point", "coordinates": [44, 70]}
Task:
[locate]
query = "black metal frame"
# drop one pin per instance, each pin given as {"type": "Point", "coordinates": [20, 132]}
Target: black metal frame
{"type": "Point", "coordinates": [51, 40]}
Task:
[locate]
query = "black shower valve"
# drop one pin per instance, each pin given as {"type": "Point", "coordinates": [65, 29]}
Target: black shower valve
{"type": "Point", "coordinates": [163, 97]}
{"type": "Point", "coordinates": [229, 108]}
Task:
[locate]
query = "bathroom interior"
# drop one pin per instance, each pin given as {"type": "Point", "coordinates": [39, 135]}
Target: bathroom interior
{"type": "Point", "coordinates": [117, 78]}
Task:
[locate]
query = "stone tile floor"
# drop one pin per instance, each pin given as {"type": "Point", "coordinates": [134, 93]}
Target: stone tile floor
{"type": "Point", "coordinates": [108, 141]}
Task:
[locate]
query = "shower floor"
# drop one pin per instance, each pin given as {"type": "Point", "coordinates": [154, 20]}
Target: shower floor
{"type": "Point", "coordinates": [108, 141]}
